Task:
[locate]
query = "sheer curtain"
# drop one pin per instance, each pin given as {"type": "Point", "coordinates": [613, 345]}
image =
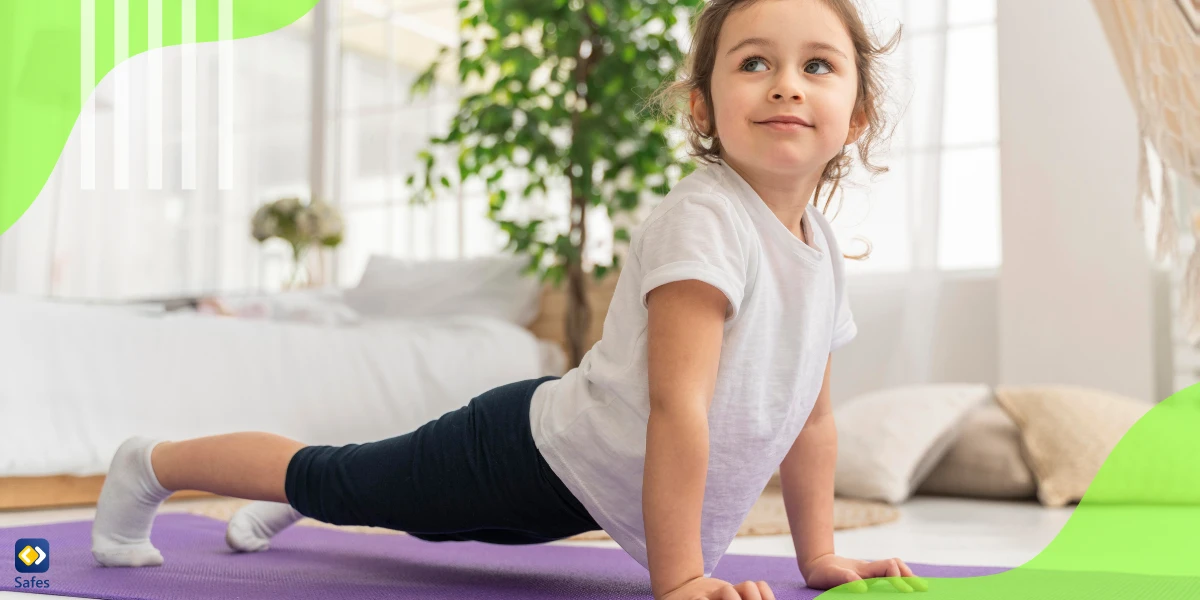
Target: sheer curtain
{"type": "Point", "coordinates": [141, 211]}
{"type": "Point", "coordinates": [934, 216]}
{"type": "Point", "coordinates": [379, 129]}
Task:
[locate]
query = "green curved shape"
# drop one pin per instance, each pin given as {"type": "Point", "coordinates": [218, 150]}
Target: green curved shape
{"type": "Point", "coordinates": [40, 73]}
{"type": "Point", "coordinates": [1135, 533]}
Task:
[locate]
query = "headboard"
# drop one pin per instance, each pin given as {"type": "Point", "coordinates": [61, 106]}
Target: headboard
{"type": "Point", "coordinates": [549, 324]}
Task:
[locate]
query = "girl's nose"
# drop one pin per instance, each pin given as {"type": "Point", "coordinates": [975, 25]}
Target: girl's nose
{"type": "Point", "coordinates": [787, 89]}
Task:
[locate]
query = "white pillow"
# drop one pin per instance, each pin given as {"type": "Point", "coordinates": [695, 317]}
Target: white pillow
{"type": "Point", "coordinates": [890, 440]}
{"type": "Point", "coordinates": [493, 286]}
{"type": "Point", "coordinates": [319, 307]}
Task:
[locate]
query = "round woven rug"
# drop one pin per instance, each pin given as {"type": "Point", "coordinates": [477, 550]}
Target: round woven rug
{"type": "Point", "coordinates": [768, 516]}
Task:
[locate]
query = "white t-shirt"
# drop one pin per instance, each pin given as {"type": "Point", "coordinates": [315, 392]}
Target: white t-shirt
{"type": "Point", "coordinates": [783, 321]}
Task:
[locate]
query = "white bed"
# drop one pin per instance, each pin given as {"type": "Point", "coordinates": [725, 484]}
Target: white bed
{"type": "Point", "coordinates": [78, 379]}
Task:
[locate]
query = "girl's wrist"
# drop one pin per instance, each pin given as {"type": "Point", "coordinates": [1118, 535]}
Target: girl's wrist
{"type": "Point", "coordinates": [670, 583]}
{"type": "Point", "coordinates": [806, 564]}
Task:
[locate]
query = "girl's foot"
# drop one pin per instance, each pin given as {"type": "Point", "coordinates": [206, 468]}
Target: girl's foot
{"type": "Point", "coordinates": [252, 527]}
{"type": "Point", "coordinates": [125, 511]}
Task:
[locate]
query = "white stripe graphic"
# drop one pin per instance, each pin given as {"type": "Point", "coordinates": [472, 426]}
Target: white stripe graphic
{"type": "Point", "coordinates": [87, 82]}
{"type": "Point", "coordinates": [121, 95]}
{"type": "Point", "coordinates": [154, 72]}
{"type": "Point", "coordinates": [225, 112]}
{"type": "Point", "coordinates": [188, 116]}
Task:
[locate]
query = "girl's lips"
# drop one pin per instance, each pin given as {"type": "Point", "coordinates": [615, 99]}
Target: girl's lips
{"type": "Point", "coordinates": [783, 126]}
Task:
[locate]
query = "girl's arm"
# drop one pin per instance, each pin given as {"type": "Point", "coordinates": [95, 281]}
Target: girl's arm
{"type": "Point", "coordinates": [806, 475]}
{"type": "Point", "coordinates": [686, 326]}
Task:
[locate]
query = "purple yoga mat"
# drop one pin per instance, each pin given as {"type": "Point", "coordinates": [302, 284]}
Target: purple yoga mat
{"type": "Point", "coordinates": [310, 562]}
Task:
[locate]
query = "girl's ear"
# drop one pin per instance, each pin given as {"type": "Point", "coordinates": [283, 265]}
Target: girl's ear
{"type": "Point", "coordinates": [858, 125]}
{"type": "Point", "coordinates": [699, 110]}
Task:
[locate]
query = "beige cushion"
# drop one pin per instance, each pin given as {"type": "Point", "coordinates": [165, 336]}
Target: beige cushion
{"type": "Point", "coordinates": [889, 440]}
{"type": "Point", "coordinates": [1066, 433]}
{"type": "Point", "coordinates": [985, 461]}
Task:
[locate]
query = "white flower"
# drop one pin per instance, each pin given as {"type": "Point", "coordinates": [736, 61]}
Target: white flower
{"type": "Point", "coordinates": [307, 224]}
{"type": "Point", "coordinates": [264, 225]}
{"type": "Point", "coordinates": [333, 227]}
{"type": "Point", "coordinates": [287, 206]}
{"type": "Point", "coordinates": [298, 224]}
{"type": "Point", "coordinates": [329, 225]}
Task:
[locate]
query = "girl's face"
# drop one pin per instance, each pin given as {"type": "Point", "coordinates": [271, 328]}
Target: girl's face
{"type": "Point", "coordinates": [784, 85]}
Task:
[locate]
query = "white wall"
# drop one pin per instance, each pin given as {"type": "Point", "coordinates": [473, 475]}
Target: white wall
{"type": "Point", "coordinates": [1075, 287]}
{"type": "Point", "coordinates": [912, 331]}
{"type": "Point", "coordinates": [1074, 300]}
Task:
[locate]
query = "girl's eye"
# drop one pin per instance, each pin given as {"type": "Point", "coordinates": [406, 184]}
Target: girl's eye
{"type": "Point", "coordinates": [754, 61]}
{"type": "Point", "coordinates": [818, 63]}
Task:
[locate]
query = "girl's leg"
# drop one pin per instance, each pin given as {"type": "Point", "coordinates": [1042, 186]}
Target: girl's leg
{"type": "Point", "coordinates": [178, 467]}
{"type": "Point", "coordinates": [240, 465]}
{"type": "Point", "coordinates": [145, 472]}
{"type": "Point", "coordinates": [474, 473]}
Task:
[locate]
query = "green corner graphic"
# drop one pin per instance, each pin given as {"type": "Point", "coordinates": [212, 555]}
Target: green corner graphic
{"type": "Point", "coordinates": [1135, 534]}
{"type": "Point", "coordinates": [40, 72]}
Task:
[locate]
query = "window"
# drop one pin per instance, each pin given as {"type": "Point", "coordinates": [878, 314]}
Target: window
{"type": "Point", "coordinates": [379, 130]}
{"type": "Point", "coordinates": [938, 207]}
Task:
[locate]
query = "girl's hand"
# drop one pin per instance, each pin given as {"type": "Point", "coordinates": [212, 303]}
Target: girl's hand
{"type": "Point", "coordinates": [829, 570]}
{"type": "Point", "coordinates": [707, 588]}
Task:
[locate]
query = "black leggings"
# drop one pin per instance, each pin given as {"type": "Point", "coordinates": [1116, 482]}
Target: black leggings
{"type": "Point", "coordinates": [474, 474]}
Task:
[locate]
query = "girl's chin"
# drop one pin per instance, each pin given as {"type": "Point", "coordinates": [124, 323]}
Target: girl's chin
{"type": "Point", "coordinates": [776, 160]}
{"type": "Point", "coordinates": [788, 164]}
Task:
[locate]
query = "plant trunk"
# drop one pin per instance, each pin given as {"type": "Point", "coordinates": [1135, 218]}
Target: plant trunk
{"type": "Point", "coordinates": [579, 313]}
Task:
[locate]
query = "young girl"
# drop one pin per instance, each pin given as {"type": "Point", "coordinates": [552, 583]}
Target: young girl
{"type": "Point", "coordinates": [713, 369]}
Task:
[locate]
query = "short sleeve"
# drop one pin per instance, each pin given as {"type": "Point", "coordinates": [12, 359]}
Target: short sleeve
{"type": "Point", "coordinates": [696, 238]}
{"type": "Point", "coordinates": [844, 328]}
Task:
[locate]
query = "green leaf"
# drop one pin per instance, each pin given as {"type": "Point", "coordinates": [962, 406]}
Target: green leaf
{"type": "Point", "coordinates": [598, 14]}
{"type": "Point", "coordinates": [491, 127]}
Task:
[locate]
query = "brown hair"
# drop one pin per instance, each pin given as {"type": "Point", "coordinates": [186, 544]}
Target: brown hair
{"type": "Point", "coordinates": [696, 74]}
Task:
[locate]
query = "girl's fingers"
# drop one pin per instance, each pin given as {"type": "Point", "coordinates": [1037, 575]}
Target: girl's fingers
{"type": "Point", "coordinates": [889, 569]}
{"type": "Point", "coordinates": [912, 580]}
{"type": "Point", "coordinates": [877, 568]}
{"type": "Point", "coordinates": [728, 592]}
{"type": "Point", "coordinates": [748, 590]}
{"type": "Point", "coordinates": [917, 583]}
{"type": "Point", "coordinates": [854, 582]}
{"type": "Point", "coordinates": [893, 569]}
{"type": "Point", "coordinates": [765, 590]}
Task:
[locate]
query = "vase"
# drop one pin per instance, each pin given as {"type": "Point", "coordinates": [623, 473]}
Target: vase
{"type": "Point", "coordinates": [299, 277]}
{"type": "Point", "coordinates": [306, 274]}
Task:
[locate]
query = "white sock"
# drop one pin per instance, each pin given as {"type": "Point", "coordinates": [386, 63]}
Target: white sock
{"type": "Point", "coordinates": [253, 526]}
{"type": "Point", "coordinates": [128, 501]}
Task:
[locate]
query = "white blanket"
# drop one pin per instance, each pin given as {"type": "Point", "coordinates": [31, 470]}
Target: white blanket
{"type": "Point", "coordinates": [77, 380]}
